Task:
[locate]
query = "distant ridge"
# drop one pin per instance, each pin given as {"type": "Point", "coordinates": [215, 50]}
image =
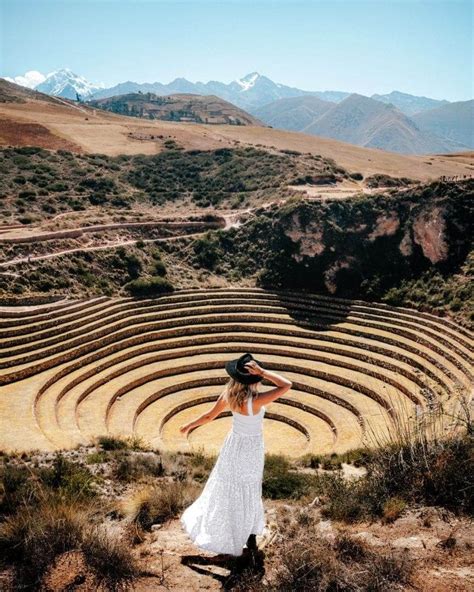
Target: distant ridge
{"type": "Point", "coordinates": [454, 121]}
{"type": "Point", "coordinates": [177, 107]}
{"type": "Point", "coordinates": [359, 120]}
{"type": "Point", "coordinates": [295, 113]}
{"type": "Point", "coordinates": [409, 104]}
{"type": "Point", "coordinates": [250, 92]}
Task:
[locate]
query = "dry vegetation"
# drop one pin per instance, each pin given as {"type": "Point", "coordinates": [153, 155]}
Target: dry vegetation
{"type": "Point", "coordinates": [106, 504]}
{"type": "Point", "coordinates": [37, 184]}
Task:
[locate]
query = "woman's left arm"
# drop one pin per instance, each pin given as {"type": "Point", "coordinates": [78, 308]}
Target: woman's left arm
{"type": "Point", "coordinates": [217, 408]}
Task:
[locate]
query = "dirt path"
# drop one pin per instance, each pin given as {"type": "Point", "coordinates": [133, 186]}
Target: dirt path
{"type": "Point", "coordinates": [232, 220]}
{"type": "Point", "coordinates": [97, 248]}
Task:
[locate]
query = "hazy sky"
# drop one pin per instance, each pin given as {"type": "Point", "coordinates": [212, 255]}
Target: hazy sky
{"type": "Point", "coordinates": [420, 47]}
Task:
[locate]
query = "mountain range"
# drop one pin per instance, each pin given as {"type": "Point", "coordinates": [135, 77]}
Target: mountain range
{"type": "Point", "coordinates": [368, 122]}
{"type": "Point", "coordinates": [397, 121]}
{"type": "Point", "coordinates": [250, 92]}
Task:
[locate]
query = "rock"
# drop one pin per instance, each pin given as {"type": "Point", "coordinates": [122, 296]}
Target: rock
{"type": "Point", "coordinates": [412, 542]}
{"type": "Point", "coordinates": [369, 538]}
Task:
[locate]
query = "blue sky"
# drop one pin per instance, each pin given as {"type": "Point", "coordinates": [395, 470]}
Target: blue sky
{"type": "Point", "coordinates": [420, 47]}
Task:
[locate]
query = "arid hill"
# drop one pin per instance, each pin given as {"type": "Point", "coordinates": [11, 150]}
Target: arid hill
{"type": "Point", "coordinates": [454, 121]}
{"type": "Point", "coordinates": [56, 123]}
{"type": "Point", "coordinates": [295, 113]}
{"type": "Point", "coordinates": [178, 108]}
{"type": "Point", "coordinates": [373, 124]}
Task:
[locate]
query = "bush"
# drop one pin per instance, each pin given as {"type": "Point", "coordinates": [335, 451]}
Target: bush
{"type": "Point", "coordinates": [159, 268]}
{"type": "Point", "coordinates": [207, 251]}
{"type": "Point", "coordinates": [112, 443]}
{"type": "Point", "coordinates": [420, 463]}
{"type": "Point", "coordinates": [154, 286]}
{"type": "Point", "coordinates": [16, 484]}
{"type": "Point", "coordinates": [110, 559]}
{"type": "Point", "coordinates": [69, 479]}
{"type": "Point", "coordinates": [129, 468]}
{"type": "Point", "coordinates": [32, 539]}
{"type": "Point", "coordinates": [280, 482]}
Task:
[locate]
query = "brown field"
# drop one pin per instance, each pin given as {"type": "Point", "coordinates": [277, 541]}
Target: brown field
{"type": "Point", "coordinates": [91, 130]}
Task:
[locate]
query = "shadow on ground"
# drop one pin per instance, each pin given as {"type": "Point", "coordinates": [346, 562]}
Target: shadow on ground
{"type": "Point", "coordinates": [251, 564]}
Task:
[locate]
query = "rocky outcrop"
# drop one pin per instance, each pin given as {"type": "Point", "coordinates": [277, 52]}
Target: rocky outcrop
{"type": "Point", "coordinates": [429, 232]}
{"type": "Point", "coordinates": [359, 247]}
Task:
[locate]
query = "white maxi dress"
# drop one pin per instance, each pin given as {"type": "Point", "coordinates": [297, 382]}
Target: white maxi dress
{"type": "Point", "coordinates": [230, 506]}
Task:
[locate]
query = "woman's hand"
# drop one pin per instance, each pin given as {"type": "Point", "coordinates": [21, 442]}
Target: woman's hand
{"type": "Point", "coordinates": [184, 429]}
{"type": "Point", "coordinates": [254, 368]}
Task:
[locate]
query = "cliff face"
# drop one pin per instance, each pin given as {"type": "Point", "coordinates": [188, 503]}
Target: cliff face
{"type": "Point", "coordinates": [360, 247]}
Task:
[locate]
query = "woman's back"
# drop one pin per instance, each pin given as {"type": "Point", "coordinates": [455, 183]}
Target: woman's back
{"type": "Point", "coordinates": [249, 423]}
{"type": "Point", "coordinates": [250, 408]}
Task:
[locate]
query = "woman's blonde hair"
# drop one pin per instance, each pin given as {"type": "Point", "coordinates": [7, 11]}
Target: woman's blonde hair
{"type": "Point", "coordinates": [237, 393]}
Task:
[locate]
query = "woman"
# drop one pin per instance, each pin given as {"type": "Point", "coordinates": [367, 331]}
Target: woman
{"type": "Point", "coordinates": [229, 512]}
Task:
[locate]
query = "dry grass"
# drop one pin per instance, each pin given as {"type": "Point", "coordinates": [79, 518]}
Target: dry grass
{"type": "Point", "coordinates": [33, 538]}
{"type": "Point", "coordinates": [155, 504]}
{"type": "Point", "coordinates": [307, 562]}
{"type": "Point", "coordinates": [424, 458]}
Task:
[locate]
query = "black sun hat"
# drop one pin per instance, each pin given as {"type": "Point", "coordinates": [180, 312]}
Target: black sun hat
{"type": "Point", "coordinates": [237, 370]}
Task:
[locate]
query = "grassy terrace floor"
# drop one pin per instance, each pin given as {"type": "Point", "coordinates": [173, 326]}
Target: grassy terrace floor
{"type": "Point", "coordinates": [73, 370]}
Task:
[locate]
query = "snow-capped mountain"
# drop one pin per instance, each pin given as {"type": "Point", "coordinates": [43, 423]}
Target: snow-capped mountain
{"type": "Point", "coordinates": [30, 79]}
{"type": "Point", "coordinates": [248, 81]}
{"type": "Point", "coordinates": [60, 83]}
{"type": "Point", "coordinates": [250, 92]}
{"type": "Point", "coordinates": [64, 83]}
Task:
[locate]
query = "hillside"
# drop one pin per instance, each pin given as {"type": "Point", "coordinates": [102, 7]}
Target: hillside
{"type": "Point", "coordinates": [178, 108]}
{"type": "Point", "coordinates": [56, 123]}
{"type": "Point", "coordinates": [366, 122]}
{"type": "Point", "coordinates": [36, 184]}
{"type": "Point", "coordinates": [411, 247]}
{"type": "Point", "coordinates": [454, 121]}
{"type": "Point", "coordinates": [293, 114]}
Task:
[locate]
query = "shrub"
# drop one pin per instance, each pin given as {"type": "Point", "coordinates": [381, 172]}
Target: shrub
{"type": "Point", "coordinates": [420, 462]}
{"type": "Point", "coordinates": [31, 539]}
{"type": "Point", "coordinates": [69, 479]}
{"type": "Point", "coordinates": [110, 559]}
{"type": "Point", "coordinates": [280, 482]}
{"type": "Point", "coordinates": [16, 484]}
{"type": "Point", "coordinates": [112, 443]}
{"type": "Point", "coordinates": [154, 286]}
{"type": "Point", "coordinates": [392, 509]}
{"type": "Point", "coordinates": [207, 251]}
{"type": "Point", "coordinates": [159, 268]}
{"type": "Point", "coordinates": [58, 187]}
{"type": "Point", "coordinates": [128, 468]}
{"type": "Point", "coordinates": [26, 219]}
